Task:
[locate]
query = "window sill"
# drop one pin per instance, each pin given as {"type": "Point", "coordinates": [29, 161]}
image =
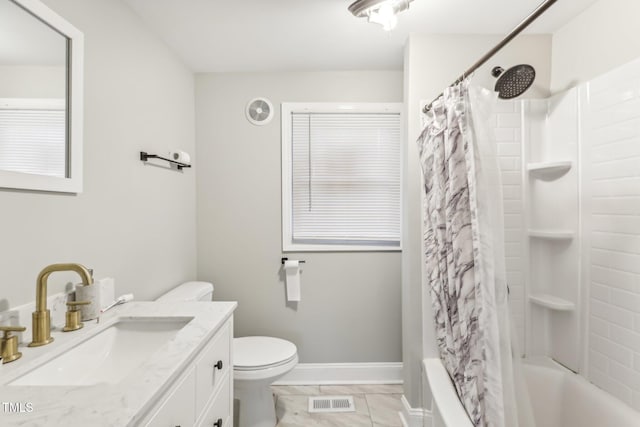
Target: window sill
{"type": "Point", "coordinates": [301, 247]}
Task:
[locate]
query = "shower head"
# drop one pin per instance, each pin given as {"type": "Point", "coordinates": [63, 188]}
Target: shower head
{"type": "Point", "coordinates": [513, 82]}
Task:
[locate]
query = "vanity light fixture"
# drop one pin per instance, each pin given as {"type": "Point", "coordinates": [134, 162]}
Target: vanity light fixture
{"type": "Point", "coordinates": [383, 12]}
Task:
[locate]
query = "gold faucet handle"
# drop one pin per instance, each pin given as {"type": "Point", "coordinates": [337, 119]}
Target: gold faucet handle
{"type": "Point", "coordinates": [72, 316]}
{"type": "Point", "coordinates": [73, 305]}
{"type": "Point", "coordinates": [8, 329]}
{"type": "Point", "coordinates": [9, 343]}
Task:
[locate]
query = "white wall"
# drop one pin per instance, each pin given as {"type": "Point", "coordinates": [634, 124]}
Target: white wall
{"type": "Point", "coordinates": [603, 37]}
{"type": "Point", "coordinates": [28, 81]}
{"type": "Point", "coordinates": [432, 62]}
{"type": "Point", "coordinates": [132, 222]}
{"type": "Point", "coordinates": [350, 308]}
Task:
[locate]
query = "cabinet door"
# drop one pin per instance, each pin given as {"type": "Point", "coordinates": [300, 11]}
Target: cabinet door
{"type": "Point", "coordinates": [212, 366]}
{"type": "Point", "coordinates": [218, 413]}
{"type": "Point", "coordinates": [178, 410]}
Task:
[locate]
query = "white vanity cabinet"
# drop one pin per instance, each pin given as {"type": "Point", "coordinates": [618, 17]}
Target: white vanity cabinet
{"type": "Point", "coordinates": [203, 395]}
{"type": "Point", "coordinates": [177, 407]}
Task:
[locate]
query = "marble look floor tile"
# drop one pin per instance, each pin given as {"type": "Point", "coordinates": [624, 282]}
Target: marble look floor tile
{"type": "Point", "coordinates": [384, 409]}
{"type": "Point", "coordinates": [292, 411]}
{"type": "Point", "coordinates": [307, 390]}
{"type": "Point", "coordinates": [362, 389]}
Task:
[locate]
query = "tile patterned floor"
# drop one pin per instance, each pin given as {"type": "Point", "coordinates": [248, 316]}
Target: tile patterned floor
{"type": "Point", "coordinates": [376, 406]}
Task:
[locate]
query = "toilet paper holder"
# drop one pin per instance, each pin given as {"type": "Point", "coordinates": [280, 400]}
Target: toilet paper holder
{"type": "Point", "coordinates": [144, 156]}
{"type": "Point", "coordinates": [287, 259]}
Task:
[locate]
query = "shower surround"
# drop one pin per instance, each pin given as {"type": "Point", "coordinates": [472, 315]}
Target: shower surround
{"type": "Point", "coordinates": [571, 189]}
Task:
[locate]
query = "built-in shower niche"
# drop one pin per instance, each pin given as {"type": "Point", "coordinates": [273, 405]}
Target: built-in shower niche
{"type": "Point", "coordinates": [551, 234]}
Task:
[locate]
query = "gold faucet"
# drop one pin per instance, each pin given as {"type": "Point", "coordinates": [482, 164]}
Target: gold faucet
{"type": "Point", "coordinates": [41, 327]}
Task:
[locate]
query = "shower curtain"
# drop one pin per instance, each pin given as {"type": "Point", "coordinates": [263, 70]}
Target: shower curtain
{"type": "Point", "coordinates": [464, 256]}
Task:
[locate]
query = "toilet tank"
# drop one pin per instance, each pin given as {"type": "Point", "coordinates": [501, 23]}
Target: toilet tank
{"type": "Point", "coordinates": [189, 291]}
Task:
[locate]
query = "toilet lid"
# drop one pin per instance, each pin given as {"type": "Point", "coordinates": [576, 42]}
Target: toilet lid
{"type": "Point", "coordinates": [261, 352]}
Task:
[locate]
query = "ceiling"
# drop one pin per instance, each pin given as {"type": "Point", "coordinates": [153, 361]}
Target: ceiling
{"type": "Point", "coordinates": [298, 35]}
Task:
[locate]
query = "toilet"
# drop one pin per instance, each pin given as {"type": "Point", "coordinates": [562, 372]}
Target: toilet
{"type": "Point", "coordinates": [257, 363]}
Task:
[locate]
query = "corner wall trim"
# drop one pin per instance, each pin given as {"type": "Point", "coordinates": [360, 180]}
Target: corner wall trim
{"type": "Point", "coordinates": [414, 417]}
{"type": "Point", "coordinates": [343, 373]}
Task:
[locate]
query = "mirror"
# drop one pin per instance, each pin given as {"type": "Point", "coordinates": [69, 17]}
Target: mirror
{"type": "Point", "coordinates": [40, 99]}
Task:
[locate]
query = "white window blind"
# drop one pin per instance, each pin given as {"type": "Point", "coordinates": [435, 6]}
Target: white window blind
{"type": "Point", "coordinates": [32, 140]}
{"type": "Point", "coordinates": [345, 179]}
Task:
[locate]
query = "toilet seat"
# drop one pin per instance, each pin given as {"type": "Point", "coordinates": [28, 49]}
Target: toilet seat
{"type": "Point", "coordinates": [262, 353]}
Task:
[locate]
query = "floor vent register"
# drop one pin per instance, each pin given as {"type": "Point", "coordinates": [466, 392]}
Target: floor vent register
{"type": "Point", "coordinates": [326, 404]}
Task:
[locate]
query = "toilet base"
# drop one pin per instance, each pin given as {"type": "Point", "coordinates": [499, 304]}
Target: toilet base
{"type": "Point", "coordinates": [256, 407]}
{"type": "Point", "coordinates": [251, 388]}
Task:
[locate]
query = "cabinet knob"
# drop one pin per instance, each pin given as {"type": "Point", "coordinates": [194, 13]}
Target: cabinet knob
{"type": "Point", "coordinates": [218, 365]}
{"type": "Point", "coordinates": [218, 423]}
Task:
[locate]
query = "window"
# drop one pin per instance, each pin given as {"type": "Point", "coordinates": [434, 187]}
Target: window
{"type": "Point", "coordinates": [32, 136]}
{"type": "Point", "coordinates": [341, 177]}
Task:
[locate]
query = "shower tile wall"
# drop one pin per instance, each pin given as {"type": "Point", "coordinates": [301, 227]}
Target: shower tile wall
{"type": "Point", "coordinates": [508, 138]}
{"type": "Point", "coordinates": [611, 183]}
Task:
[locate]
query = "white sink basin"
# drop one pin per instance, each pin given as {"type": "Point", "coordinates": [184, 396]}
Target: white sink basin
{"type": "Point", "coordinates": [107, 357]}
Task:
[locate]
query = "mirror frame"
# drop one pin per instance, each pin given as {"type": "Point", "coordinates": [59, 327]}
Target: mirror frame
{"type": "Point", "coordinates": [74, 100]}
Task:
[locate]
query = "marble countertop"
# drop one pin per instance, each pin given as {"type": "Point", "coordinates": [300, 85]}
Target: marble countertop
{"type": "Point", "coordinates": [122, 404]}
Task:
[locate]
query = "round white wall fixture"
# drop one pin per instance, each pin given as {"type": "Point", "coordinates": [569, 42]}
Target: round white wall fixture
{"type": "Point", "coordinates": [259, 111]}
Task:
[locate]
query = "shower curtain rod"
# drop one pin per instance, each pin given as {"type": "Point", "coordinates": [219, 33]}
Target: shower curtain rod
{"type": "Point", "coordinates": [517, 30]}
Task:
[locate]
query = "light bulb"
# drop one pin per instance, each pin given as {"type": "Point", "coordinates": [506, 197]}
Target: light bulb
{"type": "Point", "coordinates": [385, 15]}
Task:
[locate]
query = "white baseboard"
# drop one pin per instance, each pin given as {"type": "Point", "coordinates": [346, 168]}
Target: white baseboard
{"type": "Point", "coordinates": [414, 417]}
{"type": "Point", "coordinates": [343, 373]}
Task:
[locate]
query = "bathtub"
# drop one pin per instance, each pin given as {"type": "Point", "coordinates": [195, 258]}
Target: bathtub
{"type": "Point", "coordinates": [559, 398]}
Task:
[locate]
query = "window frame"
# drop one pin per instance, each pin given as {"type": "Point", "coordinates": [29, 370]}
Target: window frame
{"type": "Point", "coordinates": [287, 109]}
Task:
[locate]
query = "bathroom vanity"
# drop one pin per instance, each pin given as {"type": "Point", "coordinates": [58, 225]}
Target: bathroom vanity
{"type": "Point", "coordinates": [142, 364]}
{"type": "Point", "coordinates": [203, 395]}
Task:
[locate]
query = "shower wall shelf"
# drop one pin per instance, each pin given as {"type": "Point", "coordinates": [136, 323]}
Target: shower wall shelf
{"type": "Point", "coordinates": [551, 302]}
{"type": "Point", "coordinates": [544, 169]}
{"type": "Point", "coordinates": [552, 234]}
